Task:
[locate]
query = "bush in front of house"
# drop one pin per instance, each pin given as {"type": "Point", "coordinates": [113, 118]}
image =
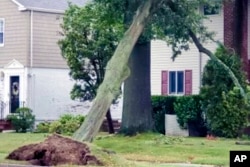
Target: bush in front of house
{"type": "Point", "coordinates": [43, 127]}
{"type": "Point", "coordinates": [225, 109]}
{"type": "Point", "coordinates": [190, 115]}
{"type": "Point", "coordinates": [232, 116]}
{"type": "Point", "coordinates": [67, 124]}
{"type": "Point", "coordinates": [22, 120]}
{"type": "Point", "coordinates": [162, 105]}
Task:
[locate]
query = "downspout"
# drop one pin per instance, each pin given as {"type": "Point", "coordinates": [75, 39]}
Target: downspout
{"type": "Point", "coordinates": [31, 39]}
{"type": "Point", "coordinates": [200, 71]}
{"type": "Point", "coordinates": [30, 72]}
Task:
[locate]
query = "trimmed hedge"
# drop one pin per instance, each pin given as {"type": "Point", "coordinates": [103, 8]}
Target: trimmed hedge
{"type": "Point", "coordinates": [190, 115]}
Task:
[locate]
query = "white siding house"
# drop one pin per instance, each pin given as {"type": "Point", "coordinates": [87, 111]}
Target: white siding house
{"type": "Point", "coordinates": [183, 75]}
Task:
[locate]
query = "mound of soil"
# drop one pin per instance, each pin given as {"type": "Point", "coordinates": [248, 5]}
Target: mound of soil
{"type": "Point", "coordinates": [55, 150]}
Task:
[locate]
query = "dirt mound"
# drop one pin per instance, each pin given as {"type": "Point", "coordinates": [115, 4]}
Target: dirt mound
{"type": "Point", "coordinates": [55, 150]}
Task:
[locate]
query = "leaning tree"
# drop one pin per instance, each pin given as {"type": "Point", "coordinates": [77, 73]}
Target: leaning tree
{"type": "Point", "coordinates": [177, 28]}
{"type": "Point", "coordinates": [168, 22]}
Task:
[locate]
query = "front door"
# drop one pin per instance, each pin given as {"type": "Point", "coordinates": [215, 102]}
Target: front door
{"type": "Point", "coordinates": [14, 93]}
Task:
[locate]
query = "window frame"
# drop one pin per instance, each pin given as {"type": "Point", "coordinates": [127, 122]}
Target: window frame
{"type": "Point", "coordinates": [3, 29]}
{"type": "Point", "coordinates": [176, 82]}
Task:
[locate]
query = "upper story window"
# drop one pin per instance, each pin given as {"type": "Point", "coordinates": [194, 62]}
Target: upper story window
{"type": "Point", "coordinates": [1, 32]}
{"type": "Point", "coordinates": [211, 10]}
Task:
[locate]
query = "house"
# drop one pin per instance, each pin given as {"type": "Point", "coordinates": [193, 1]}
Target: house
{"type": "Point", "coordinates": [183, 76]}
{"type": "Point", "coordinates": [34, 74]}
{"type": "Point", "coordinates": [32, 71]}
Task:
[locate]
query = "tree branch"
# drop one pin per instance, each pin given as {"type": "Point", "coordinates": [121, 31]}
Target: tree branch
{"type": "Point", "coordinates": [213, 57]}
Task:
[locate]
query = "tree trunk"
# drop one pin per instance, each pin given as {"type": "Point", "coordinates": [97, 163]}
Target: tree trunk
{"type": "Point", "coordinates": [116, 72]}
{"type": "Point", "coordinates": [110, 122]}
{"type": "Point", "coordinates": [137, 114]}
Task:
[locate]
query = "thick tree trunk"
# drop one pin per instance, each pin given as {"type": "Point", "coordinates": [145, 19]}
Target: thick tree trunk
{"type": "Point", "coordinates": [213, 57]}
{"type": "Point", "coordinates": [116, 72]}
{"type": "Point", "coordinates": [137, 114]}
{"type": "Point", "coordinates": [110, 122]}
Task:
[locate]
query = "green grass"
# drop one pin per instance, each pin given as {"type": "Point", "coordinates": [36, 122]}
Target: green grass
{"type": "Point", "coordinates": [157, 148]}
{"type": "Point", "coordinates": [142, 150]}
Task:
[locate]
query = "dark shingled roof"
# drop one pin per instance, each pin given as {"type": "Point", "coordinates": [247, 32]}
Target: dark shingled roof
{"type": "Point", "coordinates": [59, 5]}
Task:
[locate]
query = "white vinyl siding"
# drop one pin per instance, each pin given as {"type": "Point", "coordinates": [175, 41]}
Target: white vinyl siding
{"type": "Point", "coordinates": [1, 31]}
{"type": "Point", "coordinates": [161, 55]}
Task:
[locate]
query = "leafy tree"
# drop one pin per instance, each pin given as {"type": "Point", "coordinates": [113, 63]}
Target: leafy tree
{"type": "Point", "coordinates": [117, 66]}
{"type": "Point", "coordinates": [167, 21]}
{"type": "Point", "coordinates": [89, 42]}
{"type": "Point", "coordinates": [226, 110]}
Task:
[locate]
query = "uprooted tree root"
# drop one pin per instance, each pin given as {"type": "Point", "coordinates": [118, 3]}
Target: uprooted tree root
{"type": "Point", "coordinates": [55, 150]}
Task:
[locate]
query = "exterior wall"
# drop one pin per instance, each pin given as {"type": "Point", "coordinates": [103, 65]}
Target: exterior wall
{"type": "Point", "coordinates": [189, 60]}
{"type": "Point", "coordinates": [49, 95]}
{"type": "Point", "coordinates": [46, 52]}
{"type": "Point", "coordinates": [248, 29]}
{"type": "Point", "coordinates": [236, 29]}
{"type": "Point", "coordinates": [16, 33]}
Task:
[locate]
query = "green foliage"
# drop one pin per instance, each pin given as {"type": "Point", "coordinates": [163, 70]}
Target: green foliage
{"type": "Point", "coordinates": [22, 120]}
{"type": "Point", "coordinates": [89, 42]}
{"type": "Point", "coordinates": [188, 109]}
{"type": "Point", "coordinates": [43, 127]}
{"type": "Point", "coordinates": [232, 117]}
{"type": "Point", "coordinates": [162, 105]}
{"type": "Point", "coordinates": [225, 109]}
{"type": "Point", "coordinates": [67, 124]}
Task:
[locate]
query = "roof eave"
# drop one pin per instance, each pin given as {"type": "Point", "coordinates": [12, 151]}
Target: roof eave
{"type": "Point", "coordinates": [25, 8]}
{"type": "Point", "coordinates": [20, 6]}
{"type": "Point", "coordinates": [45, 10]}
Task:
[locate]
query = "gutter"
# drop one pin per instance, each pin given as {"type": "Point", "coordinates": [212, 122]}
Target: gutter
{"type": "Point", "coordinates": [25, 8]}
{"type": "Point", "coordinates": [22, 8]}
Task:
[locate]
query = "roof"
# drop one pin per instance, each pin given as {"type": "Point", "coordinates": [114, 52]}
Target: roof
{"type": "Point", "coordinates": [47, 5]}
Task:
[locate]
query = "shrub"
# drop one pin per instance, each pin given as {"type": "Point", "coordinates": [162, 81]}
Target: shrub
{"type": "Point", "coordinates": [188, 108]}
{"type": "Point", "coordinates": [190, 115]}
{"type": "Point", "coordinates": [56, 127]}
{"type": "Point", "coordinates": [22, 120]}
{"type": "Point", "coordinates": [67, 124]}
{"type": "Point", "coordinates": [232, 116]}
{"type": "Point", "coordinates": [223, 106]}
{"type": "Point", "coordinates": [43, 127]}
{"type": "Point", "coordinates": [162, 105]}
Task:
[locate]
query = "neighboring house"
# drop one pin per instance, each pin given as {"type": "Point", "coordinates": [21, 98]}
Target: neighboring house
{"type": "Point", "coordinates": [34, 74]}
{"type": "Point", "coordinates": [32, 71]}
{"type": "Point", "coordinates": [183, 76]}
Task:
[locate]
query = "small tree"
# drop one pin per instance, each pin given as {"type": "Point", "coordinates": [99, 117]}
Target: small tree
{"type": "Point", "coordinates": [89, 42]}
{"type": "Point", "coordinates": [225, 107]}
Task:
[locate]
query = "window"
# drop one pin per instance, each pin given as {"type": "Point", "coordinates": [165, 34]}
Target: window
{"type": "Point", "coordinates": [211, 10]}
{"type": "Point", "coordinates": [176, 82]}
{"type": "Point", "coordinates": [1, 32]}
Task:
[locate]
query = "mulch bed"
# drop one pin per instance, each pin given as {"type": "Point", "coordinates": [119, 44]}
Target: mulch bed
{"type": "Point", "coordinates": [55, 150]}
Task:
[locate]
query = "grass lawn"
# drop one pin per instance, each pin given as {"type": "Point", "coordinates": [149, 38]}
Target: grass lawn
{"type": "Point", "coordinates": [150, 148]}
{"type": "Point", "coordinates": [158, 148]}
